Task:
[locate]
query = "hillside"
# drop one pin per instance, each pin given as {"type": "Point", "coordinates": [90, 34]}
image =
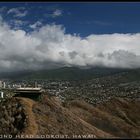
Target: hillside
{"type": "Point", "coordinates": [116, 118]}
{"type": "Point", "coordinates": [65, 73]}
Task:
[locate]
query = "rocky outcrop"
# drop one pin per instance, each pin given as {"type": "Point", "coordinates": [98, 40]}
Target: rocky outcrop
{"type": "Point", "coordinates": [12, 117]}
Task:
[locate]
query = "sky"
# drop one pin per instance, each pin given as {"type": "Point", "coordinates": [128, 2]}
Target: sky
{"type": "Point", "coordinates": [35, 35]}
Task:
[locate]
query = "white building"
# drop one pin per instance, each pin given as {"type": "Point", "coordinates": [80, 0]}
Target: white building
{"type": "Point", "coordinates": [4, 85]}
{"type": "Point", "coordinates": [1, 94]}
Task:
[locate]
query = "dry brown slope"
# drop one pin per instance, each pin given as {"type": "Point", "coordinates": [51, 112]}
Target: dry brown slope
{"type": "Point", "coordinates": [119, 117]}
{"type": "Point", "coordinates": [53, 118]}
{"type": "Point", "coordinates": [116, 118]}
{"type": "Point", "coordinates": [31, 118]}
{"type": "Point", "coordinates": [32, 127]}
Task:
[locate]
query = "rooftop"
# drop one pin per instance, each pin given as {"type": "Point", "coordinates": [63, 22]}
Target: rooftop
{"type": "Point", "coordinates": [29, 88]}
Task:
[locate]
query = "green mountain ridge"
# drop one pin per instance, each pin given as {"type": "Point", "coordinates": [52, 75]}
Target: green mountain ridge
{"type": "Point", "coordinates": [65, 73]}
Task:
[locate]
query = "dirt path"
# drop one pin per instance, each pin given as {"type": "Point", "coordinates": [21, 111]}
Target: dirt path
{"type": "Point", "coordinates": [32, 127]}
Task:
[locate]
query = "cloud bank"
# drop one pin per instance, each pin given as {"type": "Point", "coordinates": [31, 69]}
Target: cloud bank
{"type": "Point", "coordinates": [49, 47]}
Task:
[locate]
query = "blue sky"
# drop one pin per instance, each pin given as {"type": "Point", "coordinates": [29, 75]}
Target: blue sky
{"type": "Point", "coordinates": [81, 18]}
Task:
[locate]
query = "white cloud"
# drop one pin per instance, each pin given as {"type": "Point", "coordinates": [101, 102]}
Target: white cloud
{"type": "Point", "coordinates": [50, 46]}
{"type": "Point", "coordinates": [35, 25]}
{"type": "Point", "coordinates": [17, 12]}
{"type": "Point", "coordinates": [57, 13]}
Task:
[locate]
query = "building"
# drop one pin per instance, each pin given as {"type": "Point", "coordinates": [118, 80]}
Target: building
{"type": "Point", "coordinates": [4, 85]}
{"type": "Point", "coordinates": [1, 94]}
{"type": "Point", "coordinates": [33, 93]}
{"type": "Point", "coordinates": [1, 84]}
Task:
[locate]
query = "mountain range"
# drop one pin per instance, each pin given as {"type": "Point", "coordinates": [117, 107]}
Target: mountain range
{"type": "Point", "coordinates": [68, 73]}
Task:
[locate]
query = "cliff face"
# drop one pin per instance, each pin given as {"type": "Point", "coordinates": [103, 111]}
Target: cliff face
{"type": "Point", "coordinates": [75, 119]}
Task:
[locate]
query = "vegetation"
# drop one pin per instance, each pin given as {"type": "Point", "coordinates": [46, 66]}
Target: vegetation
{"type": "Point", "coordinates": [66, 73]}
{"type": "Point", "coordinates": [117, 118]}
